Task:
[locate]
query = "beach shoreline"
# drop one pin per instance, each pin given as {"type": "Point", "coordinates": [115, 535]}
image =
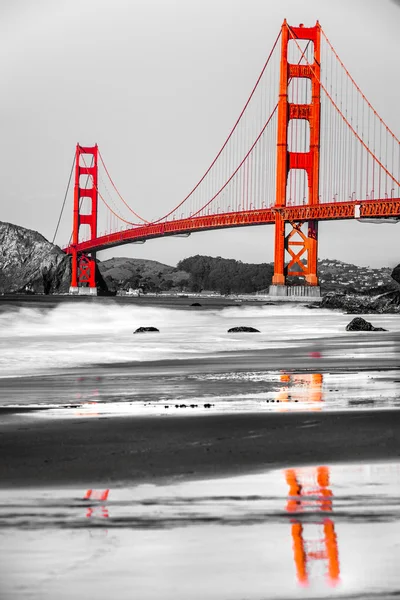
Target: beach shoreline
{"type": "Point", "coordinates": [126, 450]}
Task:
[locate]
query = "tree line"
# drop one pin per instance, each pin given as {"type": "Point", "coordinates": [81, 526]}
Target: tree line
{"type": "Point", "coordinates": [226, 276]}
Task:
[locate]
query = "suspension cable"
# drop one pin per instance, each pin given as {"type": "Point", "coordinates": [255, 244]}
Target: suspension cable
{"type": "Point", "coordinates": [358, 88]}
{"type": "Point", "coordinates": [107, 205]}
{"type": "Point", "coordinates": [65, 199]}
{"type": "Point", "coordinates": [228, 138]}
{"type": "Point", "coordinates": [240, 165]}
{"type": "Point", "coordinates": [115, 188]}
{"type": "Point", "coordinates": [342, 115]}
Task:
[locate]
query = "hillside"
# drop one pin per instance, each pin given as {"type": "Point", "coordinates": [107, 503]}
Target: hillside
{"type": "Point", "coordinates": [338, 276]}
{"type": "Point", "coordinates": [29, 262]}
{"type": "Point", "coordinates": [149, 275]}
{"type": "Point", "coordinates": [226, 276]}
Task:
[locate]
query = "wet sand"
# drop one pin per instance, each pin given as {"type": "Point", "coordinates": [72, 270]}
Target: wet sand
{"type": "Point", "coordinates": [117, 450]}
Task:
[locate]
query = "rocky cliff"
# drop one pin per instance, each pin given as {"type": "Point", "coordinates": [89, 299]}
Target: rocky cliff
{"type": "Point", "coordinates": [29, 262]}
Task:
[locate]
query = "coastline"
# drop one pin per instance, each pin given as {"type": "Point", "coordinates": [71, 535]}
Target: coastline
{"type": "Point", "coordinates": [115, 450]}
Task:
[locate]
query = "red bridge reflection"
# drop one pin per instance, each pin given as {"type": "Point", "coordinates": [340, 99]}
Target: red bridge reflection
{"type": "Point", "coordinates": [98, 510]}
{"type": "Point", "coordinates": [309, 492]}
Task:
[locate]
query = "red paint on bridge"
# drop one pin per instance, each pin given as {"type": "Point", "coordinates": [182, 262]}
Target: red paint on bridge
{"type": "Point", "coordinates": [305, 145]}
{"type": "Point", "coordinates": [368, 209]}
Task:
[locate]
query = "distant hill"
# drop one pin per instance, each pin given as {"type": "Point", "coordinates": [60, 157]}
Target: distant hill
{"type": "Point", "coordinates": [231, 276]}
{"type": "Point", "coordinates": [226, 276]}
{"type": "Point", "coordinates": [338, 276]}
{"type": "Point", "coordinates": [149, 275]}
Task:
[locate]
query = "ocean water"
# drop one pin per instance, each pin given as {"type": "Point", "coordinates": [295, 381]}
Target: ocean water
{"type": "Point", "coordinates": [86, 355]}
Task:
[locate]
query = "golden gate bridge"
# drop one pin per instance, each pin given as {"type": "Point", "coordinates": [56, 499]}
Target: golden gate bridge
{"type": "Point", "coordinates": [307, 147]}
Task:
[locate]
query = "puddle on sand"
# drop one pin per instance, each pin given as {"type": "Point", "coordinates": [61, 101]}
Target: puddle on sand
{"type": "Point", "coordinates": [307, 532]}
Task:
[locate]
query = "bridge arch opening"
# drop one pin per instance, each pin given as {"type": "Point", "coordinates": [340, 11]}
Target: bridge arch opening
{"type": "Point", "coordinates": [84, 233]}
{"type": "Point", "coordinates": [86, 182]}
{"type": "Point", "coordinates": [300, 90]}
{"type": "Point", "coordinates": [86, 160]}
{"type": "Point", "coordinates": [85, 204]}
{"type": "Point", "coordinates": [297, 188]}
{"type": "Point", "coordinates": [299, 135]}
{"type": "Point", "coordinates": [300, 52]}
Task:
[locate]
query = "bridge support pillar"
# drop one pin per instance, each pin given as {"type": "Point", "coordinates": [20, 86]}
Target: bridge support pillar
{"type": "Point", "coordinates": [83, 267]}
{"type": "Point", "coordinates": [279, 255]}
{"type": "Point", "coordinates": [301, 247]}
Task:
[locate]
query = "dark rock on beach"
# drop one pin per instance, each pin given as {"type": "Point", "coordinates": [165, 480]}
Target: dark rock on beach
{"type": "Point", "coordinates": [146, 329]}
{"type": "Point", "coordinates": [243, 330]}
{"type": "Point", "coordinates": [195, 304]}
{"type": "Point", "coordinates": [360, 324]}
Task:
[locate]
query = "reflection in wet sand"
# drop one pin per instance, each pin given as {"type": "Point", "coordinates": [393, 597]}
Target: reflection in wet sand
{"type": "Point", "coordinates": [304, 388]}
{"type": "Point", "coordinates": [97, 510]}
{"type": "Point", "coordinates": [309, 491]}
{"type": "Point", "coordinates": [278, 535]}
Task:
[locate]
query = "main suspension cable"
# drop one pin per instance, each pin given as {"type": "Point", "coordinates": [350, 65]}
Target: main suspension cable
{"type": "Point", "coordinates": [115, 188]}
{"type": "Point", "coordinates": [358, 88]}
{"type": "Point", "coordinates": [342, 115]}
{"type": "Point", "coordinates": [65, 199]}
{"type": "Point", "coordinates": [227, 139]}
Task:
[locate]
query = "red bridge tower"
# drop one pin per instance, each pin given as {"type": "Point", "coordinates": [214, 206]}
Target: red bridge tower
{"type": "Point", "coordinates": [83, 266]}
{"type": "Point", "coordinates": [297, 243]}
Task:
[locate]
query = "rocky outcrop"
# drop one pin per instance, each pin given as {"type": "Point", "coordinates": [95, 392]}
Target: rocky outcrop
{"type": "Point", "coordinates": [146, 330]}
{"type": "Point", "coordinates": [356, 304]}
{"type": "Point", "coordinates": [360, 324]}
{"type": "Point", "coordinates": [388, 302]}
{"type": "Point", "coordinates": [29, 263]}
{"type": "Point", "coordinates": [396, 275]}
{"type": "Point", "coordinates": [243, 330]}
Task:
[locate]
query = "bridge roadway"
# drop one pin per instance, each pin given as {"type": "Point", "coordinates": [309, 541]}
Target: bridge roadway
{"type": "Point", "coordinates": [364, 209]}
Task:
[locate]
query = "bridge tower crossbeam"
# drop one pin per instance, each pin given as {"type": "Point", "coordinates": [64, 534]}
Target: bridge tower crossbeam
{"type": "Point", "coordinates": [306, 242]}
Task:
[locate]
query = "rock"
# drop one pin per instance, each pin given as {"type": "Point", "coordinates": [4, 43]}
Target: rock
{"type": "Point", "coordinates": [243, 330]}
{"type": "Point", "coordinates": [146, 329]}
{"type": "Point", "coordinates": [196, 304]}
{"type": "Point", "coordinates": [29, 264]}
{"type": "Point", "coordinates": [362, 304]}
{"type": "Point", "coordinates": [396, 274]}
{"type": "Point", "coordinates": [360, 324]}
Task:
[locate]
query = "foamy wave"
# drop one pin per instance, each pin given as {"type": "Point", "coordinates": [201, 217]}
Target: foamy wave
{"type": "Point", "coordinates": [77, 334]}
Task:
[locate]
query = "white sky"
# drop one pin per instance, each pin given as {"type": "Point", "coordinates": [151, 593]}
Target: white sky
{"type": "Point", "coordinates": [158, 84]}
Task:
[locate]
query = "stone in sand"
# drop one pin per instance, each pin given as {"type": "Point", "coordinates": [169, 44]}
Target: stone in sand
{"type": "Point", "coordinates": [146, 329]}
{"type": "Point", "coordinates": [360, 324]}
{"type": "Point", "coordinates": [243, 330]}
{"type": "Point", "coordinates": [195, 304]}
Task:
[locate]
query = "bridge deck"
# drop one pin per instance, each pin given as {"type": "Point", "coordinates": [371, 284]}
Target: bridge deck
{"type": "Point", "coordinates": [365, 209]}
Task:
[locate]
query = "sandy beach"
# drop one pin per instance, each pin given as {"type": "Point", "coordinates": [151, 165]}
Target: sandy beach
{"type": "Point", "coordinates": [115, 450]}
{"type": "Point", "coordinates": [228, 465]}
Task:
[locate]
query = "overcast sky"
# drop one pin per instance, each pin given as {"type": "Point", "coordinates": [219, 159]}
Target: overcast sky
{"type": "Point", "coordinates": [158, 84]}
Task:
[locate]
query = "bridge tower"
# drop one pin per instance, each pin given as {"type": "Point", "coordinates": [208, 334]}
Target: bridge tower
{"type": "Point", "coordinates": [300, 245]}
{"type": "Point", "coordinates": [83, 266]}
